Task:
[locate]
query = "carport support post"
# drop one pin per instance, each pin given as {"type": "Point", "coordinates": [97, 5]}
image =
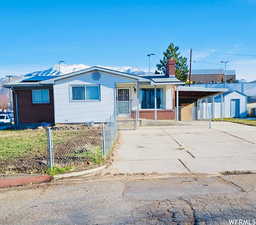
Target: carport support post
{"type": "Point", "coordinates": [155, 104]}
{"type": "Point", "coordinates": [177, 104]}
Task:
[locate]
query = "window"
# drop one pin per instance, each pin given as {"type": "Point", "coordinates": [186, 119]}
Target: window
{"type": "Point", "coordinates": [78, 93]}
{"type": "Point", "coordinates": [92, 92]}
{"type": "Point", "coordinates": [147, 98]}
{"type": "Point", "coordinates": [83, 92]}
{"type": "Point", "coordinates": [40, 96]}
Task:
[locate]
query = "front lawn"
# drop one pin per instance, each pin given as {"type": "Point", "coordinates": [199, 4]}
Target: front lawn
{"type": "Point", "coordinates": [240, 121]}
{"type": "Point", "coordinates": [25, 151]}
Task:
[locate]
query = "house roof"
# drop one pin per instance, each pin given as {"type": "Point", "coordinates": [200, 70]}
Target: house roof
{"type": "Point", "coordinates": [229, 92]}
{"type": "Point", "coordinates": [50, 80]}
{"type": "Point", "coordinates": [212, 71]}
{"type": "Point", "coordinates": [38, 78]}
{"type": "Point", "coordinates": [101, 69]}
{"type": "Point", "coordinates": [163, 79]}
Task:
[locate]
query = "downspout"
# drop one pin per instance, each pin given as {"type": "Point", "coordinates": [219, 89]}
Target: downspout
{"type": "Point", "coordinates": [177, 104]}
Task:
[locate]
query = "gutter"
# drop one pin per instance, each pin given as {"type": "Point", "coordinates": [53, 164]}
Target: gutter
{"type": "Point", "coordinates": [36, 84]}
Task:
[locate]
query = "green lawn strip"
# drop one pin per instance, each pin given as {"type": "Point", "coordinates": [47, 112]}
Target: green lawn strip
{"type": "Point", "coordinates": [21, 143]}
{"type": "Point", "coordinates": [58, 170]}
{"type": "Point", "coordinates": [240, 121]}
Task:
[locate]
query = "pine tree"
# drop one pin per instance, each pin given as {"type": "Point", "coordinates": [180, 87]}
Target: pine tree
{"type": "Point", "coordinates": [181, 62]}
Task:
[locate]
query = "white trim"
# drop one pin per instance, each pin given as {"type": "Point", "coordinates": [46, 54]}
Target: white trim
{"type": "Point", "coordinates": [71, 100]}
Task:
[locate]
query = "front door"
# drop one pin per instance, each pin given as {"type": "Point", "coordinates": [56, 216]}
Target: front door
{"type": "Point", "coordinates": [235, 108]}
{"type": "Point", "coordinates": [123, 101]}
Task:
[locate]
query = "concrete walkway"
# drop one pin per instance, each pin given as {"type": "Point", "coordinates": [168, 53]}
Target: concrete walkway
{"type": "Point", "coordinates": [188, 148]}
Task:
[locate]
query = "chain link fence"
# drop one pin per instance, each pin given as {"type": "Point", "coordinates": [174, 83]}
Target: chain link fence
{"type": "Point", "coordinates": [68, 147]}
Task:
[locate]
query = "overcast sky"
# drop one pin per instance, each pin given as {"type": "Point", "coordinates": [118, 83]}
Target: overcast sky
{"type": "Point", "coordinates": [37, 34]}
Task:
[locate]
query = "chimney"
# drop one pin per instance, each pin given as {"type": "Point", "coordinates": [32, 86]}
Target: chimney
{"type": "Point", "coordinates": [171, 67]}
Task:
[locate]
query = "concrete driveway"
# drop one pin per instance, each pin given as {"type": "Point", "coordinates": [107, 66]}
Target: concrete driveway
{"type": "Point", "coordinates": [190, 147]}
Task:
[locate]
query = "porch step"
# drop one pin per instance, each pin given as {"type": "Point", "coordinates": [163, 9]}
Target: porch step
{"type": "Point", "coordinates": [126, 123]}
{"type": "Point", "coordinates": [145, 122]}
{"type": "Point", "coordinates": [129, 123]}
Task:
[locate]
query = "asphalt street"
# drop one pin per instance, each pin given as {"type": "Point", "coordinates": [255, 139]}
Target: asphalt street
{"type": "Point", "coordinates": [136, 200]}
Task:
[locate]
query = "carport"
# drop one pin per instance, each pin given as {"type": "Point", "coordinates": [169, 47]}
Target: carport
{"type": "Point", "coordinates": [187, 99]}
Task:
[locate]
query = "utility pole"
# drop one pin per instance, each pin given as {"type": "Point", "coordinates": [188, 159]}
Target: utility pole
{"type": "Point", "coordinates": [149, 65]}
{"type": "Point", "coordinates": [190, 67]}
{"type": "Point", "coordinates": [225, 62]}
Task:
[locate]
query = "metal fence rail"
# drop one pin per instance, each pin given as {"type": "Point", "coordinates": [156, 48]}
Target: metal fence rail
{"type": "Point", "coordinates": [109, 135]}
{"type": "Point", "coordinates": [83, 146]}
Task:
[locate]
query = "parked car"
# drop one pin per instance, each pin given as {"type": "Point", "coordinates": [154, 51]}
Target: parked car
{"type": "Point", "coordinates": [5, 118]}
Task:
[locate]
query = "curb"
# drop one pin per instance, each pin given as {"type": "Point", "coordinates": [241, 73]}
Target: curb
{"type": "Point", "coordinates": [80, 173]}
{"type": "Point", "coordinates": [14, 182]}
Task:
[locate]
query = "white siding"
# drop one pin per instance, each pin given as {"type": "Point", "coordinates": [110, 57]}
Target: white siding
{"type": "Point", "coordinates": [67, 111]}
{"type": "Point", "coordinates": [243, 103]}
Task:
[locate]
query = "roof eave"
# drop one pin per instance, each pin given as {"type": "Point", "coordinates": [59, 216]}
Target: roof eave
{"type": "Point", "coordinates": [171, 82]}
{"type": "Point", "coordinates": [25, 84]}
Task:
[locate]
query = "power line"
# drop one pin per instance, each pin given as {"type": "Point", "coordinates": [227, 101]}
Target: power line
{"type": "Point", "coordinates": [234, 54]}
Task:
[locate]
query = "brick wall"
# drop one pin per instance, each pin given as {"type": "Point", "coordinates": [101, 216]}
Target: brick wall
{"type": "Point", "coordinates": [161, 114]}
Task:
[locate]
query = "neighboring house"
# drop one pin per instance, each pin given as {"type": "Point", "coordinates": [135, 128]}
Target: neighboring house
{"type": "Point", "coordinates": [202, 76]}
{"type": "Point", "coordinates": [231, 104]}
{"type": "Point", "coordinates": [93, 94]}
{"type": "Point", "coordinates": [251, 106]}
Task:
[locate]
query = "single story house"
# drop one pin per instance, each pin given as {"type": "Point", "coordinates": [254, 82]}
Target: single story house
{"type": "Point", "coordinates": [94, 95]}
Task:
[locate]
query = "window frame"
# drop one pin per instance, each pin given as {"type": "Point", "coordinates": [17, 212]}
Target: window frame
{"type": "Point", "coordinates": [71, 93]}
{"type": "Point", "coordinates": [84, 85]}
{"type": "Point", "coordinates": [161, 103]}
{"type": "Point", "coordinates": [41, 103]}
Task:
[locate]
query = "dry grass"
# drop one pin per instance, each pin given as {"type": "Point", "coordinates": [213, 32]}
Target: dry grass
{"type": "Point", "coordinates": [240, 121]}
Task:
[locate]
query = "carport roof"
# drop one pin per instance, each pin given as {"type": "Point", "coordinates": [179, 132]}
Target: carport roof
{"type": "Point", "coordinates": [189, 95]}
{"type": "Point", "coordinates": [201, 89]}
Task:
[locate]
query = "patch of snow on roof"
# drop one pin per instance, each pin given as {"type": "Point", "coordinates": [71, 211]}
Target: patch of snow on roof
{"type": "Point", "coordinates": [58, 70]}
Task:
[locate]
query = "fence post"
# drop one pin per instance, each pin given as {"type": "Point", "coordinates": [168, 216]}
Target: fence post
{"type": "Point", "coordinates": [103, 139]}
{"type": "Point", "coordinates": [50, 148]}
